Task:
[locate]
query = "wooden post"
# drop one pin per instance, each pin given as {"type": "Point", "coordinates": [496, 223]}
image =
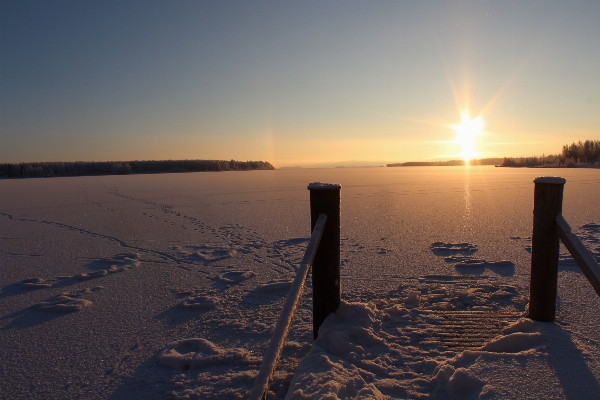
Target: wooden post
{"type": "Point", "coordinates": [325, 199]}
{"type": "Point", "coordinates": [547, 204]}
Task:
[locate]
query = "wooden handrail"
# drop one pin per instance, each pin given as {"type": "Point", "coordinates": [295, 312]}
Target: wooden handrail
{"type": "Point", "coordinates": [267, 368]}
{"type": "Point", "coordinates": [580, 253]}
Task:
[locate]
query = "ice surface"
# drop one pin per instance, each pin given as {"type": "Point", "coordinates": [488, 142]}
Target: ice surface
{"type": "Point", "coordinates": [137, 265]}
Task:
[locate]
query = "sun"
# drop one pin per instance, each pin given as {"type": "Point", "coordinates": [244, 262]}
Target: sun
{"type": "Point", "coordinates": [466, 132]}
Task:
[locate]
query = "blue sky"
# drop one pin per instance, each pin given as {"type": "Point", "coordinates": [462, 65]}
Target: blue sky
{"type": "Point", "coordinates": [294, 83]}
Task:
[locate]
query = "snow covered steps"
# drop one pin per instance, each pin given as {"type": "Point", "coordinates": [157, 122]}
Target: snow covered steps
{"type": "Point", "coordinates": [455, 330]}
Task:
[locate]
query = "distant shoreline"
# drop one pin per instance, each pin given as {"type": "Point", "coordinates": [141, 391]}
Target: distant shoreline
{"type": "Point", "coordinates": [575, 155]}
{"type": "Point", "coordinates": [450, 163]}
{"type": "Point", "coordinates": [460, 163]}
{"type": "Point", "coordinates": [99, 168]}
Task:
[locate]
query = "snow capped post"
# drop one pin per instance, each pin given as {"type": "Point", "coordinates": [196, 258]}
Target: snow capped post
{"type": "Point", "coordinates": [547, 205]}
{"type": "Point", "coordinates": [325, 199]}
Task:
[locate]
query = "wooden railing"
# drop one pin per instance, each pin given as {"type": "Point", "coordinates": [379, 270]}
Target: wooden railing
{"type": "Point", "coordinates": [549, 227]}
{"type": "Point", "coordinates": [323, 255]}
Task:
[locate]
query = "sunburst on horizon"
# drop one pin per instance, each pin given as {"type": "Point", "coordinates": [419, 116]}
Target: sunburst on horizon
{"type": "Point", "coordinates": [466, 133]}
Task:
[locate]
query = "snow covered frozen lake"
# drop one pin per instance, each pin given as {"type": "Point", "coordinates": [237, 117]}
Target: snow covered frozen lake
{"type": "Point", "coordinates": [169, 286]}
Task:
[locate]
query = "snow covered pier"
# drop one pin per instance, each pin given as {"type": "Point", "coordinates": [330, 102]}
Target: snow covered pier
{"type": "Point", "coordinates": [446, 321]}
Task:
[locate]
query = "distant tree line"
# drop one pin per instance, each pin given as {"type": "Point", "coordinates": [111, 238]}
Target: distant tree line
{"type": "Point", "coordinates": [580, 154]}
{"type": "Point", "coordinates": [451, 163]}
{"type": "Point", "coordinates": [81, 168]}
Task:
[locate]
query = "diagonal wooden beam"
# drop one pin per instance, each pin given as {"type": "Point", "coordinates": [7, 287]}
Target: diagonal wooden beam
{"type": "Point", "coordinates": [282, 329]}
{"type": "Point", "coordinates": [580, 253]}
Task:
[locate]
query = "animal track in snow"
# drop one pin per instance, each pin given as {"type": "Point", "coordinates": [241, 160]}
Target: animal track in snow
{"type": "Point", "coordinates": [383, 250]}
{"type": "Point", "coordinates": [589, 234]}
{"type": "Point", "coordinates": [447, 292]}
{"type": "Point", "coordinates": [468, 261]}
{"type": "Point", "coordinates": [229, 277]}
{"type": "Point", "coordinates": [36, 283]}
{"type": "Point", "coordinates": [199, 302]}
{"type": "Point", "coordinates": [205, 254]}
{"type": "Point", "coordinates": [208, 254]}
{"type": "Point", "coordinates": [198, 298]}
{"type": "Point", "coordinates": [118, 263]}
{"type": "Point", "coordinates": [454, 253]}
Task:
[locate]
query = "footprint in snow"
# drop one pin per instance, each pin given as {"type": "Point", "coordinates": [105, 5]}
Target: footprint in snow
{"type": "Point", "coordinates": [443, 249]}
{"type": "Point", "coordinates": [66, 302]}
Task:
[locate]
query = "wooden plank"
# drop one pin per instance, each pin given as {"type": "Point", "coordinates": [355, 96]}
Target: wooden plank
{"type": "Point", "coordinates": [580, 253]}
{"type": "Point", "coordinates": [282, 329]}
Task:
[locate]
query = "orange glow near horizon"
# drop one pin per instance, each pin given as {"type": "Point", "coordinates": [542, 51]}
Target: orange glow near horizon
{"type": "Point", "coordinates": [466, 133]}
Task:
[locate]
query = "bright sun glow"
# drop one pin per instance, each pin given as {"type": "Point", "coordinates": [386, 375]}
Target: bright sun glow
{"type": "Point", "coordinates": [466, 132]}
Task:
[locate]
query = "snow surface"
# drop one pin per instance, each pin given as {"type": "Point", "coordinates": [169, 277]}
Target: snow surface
{"type": "Point", "coordinates": [169, 286]}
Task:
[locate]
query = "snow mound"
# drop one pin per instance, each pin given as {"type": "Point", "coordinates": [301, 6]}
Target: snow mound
{"type": "Point", "coordinates": [463, 384]}
{"type": "Point", "coordinates": [514, 343]}
{"type": "Point", "coordinates": [336, 366]}
{"type": "Point", "coordinates": [332, 380]}
{"type": "Point", "coordinates": [198, 353]}
{"type": "Point", "coordinates": [521, 336]}
{"type": "Point", "coordinates": [523, 325]}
